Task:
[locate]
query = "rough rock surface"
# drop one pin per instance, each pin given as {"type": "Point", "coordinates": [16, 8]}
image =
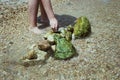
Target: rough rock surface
{"type": "Point", "coordinates": [82, 27]}
{"type": "Point", "coordinates": [64, 49]}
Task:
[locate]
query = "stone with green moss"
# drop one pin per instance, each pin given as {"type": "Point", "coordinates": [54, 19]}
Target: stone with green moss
{"type": "Point", "coordinates": [66, 32]}
{"type": "Point", "coordinates": [82, 27]}
{"type": "Point", "coordinates": [50, 37]}
{"type": "Point", "coordinates": [64, 48]}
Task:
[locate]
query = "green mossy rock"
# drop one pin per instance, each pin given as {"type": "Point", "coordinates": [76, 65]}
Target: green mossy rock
{"type": "Point", "coordinates": [82, 27]}
{"type": "Point", "coordinates": [50, 37]}
{"type": "Point", "coordinates": [64, 48]}
{"type": "Point", "coordinates": [66, 32]}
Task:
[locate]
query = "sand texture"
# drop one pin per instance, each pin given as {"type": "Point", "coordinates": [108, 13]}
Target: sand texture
{"type": "Point", "coordinates": [98, 55]}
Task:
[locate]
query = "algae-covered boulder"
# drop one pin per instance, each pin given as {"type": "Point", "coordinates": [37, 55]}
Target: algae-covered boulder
{"type": "Point", "coordinates": [63, 48]}
{"type": "Point", "coordinates": [66, 32]}
{"type": "Point", "coordinates": [69, 33]}
{"type": "Point", "coordinates": [49, 37]}
{"type": "Point", "coordinates": [68, 36]}
{"type": "Point", "coordinates": [82, 27]}
{"type": "Point", "coordinates": [62, 41]}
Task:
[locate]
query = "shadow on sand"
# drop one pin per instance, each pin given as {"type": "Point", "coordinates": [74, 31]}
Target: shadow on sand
{"type": "Point", "coordinates": [63, 20]}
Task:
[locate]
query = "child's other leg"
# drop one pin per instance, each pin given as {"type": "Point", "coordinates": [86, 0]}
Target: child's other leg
{"type": "Point", "coordinates": [33, 10]}
{"type": "Point", "coordinates": [49, 11]}
{"type": "Point", "coordinates": [44, 17]}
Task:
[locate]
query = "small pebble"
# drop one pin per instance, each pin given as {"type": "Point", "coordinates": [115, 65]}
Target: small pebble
{"type": "Point", "coordinates": [10, 42]}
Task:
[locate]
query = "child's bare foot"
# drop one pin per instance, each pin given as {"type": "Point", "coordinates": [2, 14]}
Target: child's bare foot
{"type": "Point", "coordinates": [35, 30]}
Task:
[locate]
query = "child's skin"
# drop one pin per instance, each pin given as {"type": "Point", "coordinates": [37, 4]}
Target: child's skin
{"type": "Point", "coordinates": [47, 15]}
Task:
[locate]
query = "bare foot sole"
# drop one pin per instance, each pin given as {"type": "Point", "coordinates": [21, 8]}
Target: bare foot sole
{"type": "Point", "coordinates": [36, 30]}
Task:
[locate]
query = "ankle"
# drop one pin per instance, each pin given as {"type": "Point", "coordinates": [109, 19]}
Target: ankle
{"type": "Point", "coordinates": [32, 26]}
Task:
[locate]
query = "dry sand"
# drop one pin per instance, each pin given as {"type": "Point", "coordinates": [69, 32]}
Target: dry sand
{"type": "Point", "coordinates": [99, 54]}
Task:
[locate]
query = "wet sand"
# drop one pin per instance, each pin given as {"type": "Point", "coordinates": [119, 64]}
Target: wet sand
{"type": "Point", "coordinates": [98, 55]}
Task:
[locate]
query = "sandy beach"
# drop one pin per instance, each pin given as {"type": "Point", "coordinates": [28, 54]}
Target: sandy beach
{"type": "Point", "coordinates": [98, 55]}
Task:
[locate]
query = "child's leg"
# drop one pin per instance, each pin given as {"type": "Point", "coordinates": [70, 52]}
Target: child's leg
{"type": "Point", "coordinates": [49, 11]}
{"type": "Point", "coordinates": [33, 10]}
{"type": "Point", "coordinates": [44, 17]}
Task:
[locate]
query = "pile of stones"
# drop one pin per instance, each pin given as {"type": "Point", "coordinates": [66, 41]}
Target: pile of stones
{"type": "Point", "coordinates": [58, 44]}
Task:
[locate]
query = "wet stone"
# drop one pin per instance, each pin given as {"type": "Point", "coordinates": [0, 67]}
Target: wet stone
{"type": "Point", "coordinates": [33, 57]}
{"type": "Point", "coordinates": [82, 27]}
{"type": "Point", "coordinates": [44, 45]}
